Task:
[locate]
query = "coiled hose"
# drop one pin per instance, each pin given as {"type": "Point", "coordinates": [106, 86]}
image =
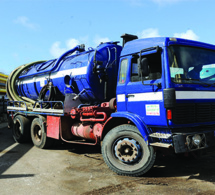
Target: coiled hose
{"type": "Point", "coordinates": [10, 85]}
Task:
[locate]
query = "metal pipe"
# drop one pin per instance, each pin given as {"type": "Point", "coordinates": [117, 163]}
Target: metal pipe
{"type": "Point", "coordinates": [95, 119]}
{"type": "Point", "coordinates": [84, 131]}
{"type": "Point", "coordinates": [78, 47]}
{"type": "Point", "coordinates": [76, 142]}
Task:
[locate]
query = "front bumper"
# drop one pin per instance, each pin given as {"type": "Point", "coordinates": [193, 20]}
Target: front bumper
{"type": "Point", "coordinates": [188, 142]}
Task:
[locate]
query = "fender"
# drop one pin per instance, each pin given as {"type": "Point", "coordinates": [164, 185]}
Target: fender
{"type": "Point", "coordinates": [137, 120]}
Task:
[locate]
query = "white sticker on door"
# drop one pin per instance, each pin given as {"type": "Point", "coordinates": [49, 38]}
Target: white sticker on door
{"type": "Point", "coordinates": [153, 109]}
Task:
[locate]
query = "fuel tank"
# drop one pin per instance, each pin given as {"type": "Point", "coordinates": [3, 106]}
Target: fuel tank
{"type": "Point", "coordinates": [91, 75]}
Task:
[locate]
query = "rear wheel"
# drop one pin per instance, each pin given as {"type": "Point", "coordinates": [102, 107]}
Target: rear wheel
{"type": "Point", "coordinates": [126, 153]}
{"type": "Point", "coordinates": [21, 129]}
{"type": "Point", "coordinates": [38, 134]}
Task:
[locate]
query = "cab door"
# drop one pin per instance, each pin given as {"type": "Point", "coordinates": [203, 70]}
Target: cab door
{"type": "Point", "coordinates": [143, 95]}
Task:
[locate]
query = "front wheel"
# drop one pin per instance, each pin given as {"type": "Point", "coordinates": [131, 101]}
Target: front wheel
{"type": "Point", "coordinates": [126, 153]}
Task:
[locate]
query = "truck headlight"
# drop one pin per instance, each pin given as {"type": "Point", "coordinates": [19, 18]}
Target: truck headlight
{"type": "Point", "coordinates": [196, 140]}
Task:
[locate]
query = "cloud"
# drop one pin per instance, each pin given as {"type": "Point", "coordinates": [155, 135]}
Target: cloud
{"type": "Point", "coordinates": [154, 32]}
{"type": "Point", "coordinates": [98, 40]}
{"type": "Point", "coordinates": [71, 43]}
{"type": "Point", "coordinates": [189, 34]}
{"type": "Point", "coordinates": [24, 21]}
{"type": "Point", "coordinates": [147, 33]}
{"type": "Point", "coordinates": [56, 49]}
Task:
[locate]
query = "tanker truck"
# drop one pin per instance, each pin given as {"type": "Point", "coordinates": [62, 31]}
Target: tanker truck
{"type": "Point", "coordinates": [147, 96]}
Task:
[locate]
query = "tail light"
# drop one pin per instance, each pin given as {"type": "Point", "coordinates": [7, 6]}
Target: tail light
{"type": "Point", "coordinates": [169, 114]}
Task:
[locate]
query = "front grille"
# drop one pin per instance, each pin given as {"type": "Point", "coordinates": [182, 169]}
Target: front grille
{"type": "Point", "coordinates": [194, 113]}
{"type": "Point", "coordinates": [196, 129]}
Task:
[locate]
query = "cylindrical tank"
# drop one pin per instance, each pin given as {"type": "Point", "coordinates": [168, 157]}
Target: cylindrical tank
{"type": "Point", "coordinates": [92, 75]}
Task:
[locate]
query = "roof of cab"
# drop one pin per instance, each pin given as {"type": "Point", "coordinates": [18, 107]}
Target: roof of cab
{"type": "Point", "coordinates": [137, 45]}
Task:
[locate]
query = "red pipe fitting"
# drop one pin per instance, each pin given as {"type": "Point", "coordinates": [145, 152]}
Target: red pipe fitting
{"type": "Point", "coordinates": [96, 119]}
{"type": "Point", "coordinates": [87, 131]}
{"type": "Point", "coordinates": [84, 131]}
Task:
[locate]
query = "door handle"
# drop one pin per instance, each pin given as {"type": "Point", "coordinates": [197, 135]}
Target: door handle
{"type": "Point", "coordinates": [128, 96]}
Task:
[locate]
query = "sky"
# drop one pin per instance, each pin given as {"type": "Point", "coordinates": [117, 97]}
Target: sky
{"type": "Point", "coordinates": [33, 30]}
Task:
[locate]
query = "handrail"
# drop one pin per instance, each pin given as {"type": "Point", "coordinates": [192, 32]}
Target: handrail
{"type": "Point", "coordinates": [51, 103]}
{"type": "Point", "coordinates": [14, 107]}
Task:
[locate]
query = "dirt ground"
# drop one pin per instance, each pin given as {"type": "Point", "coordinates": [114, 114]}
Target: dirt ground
{"type": "Point", "coordinates": [77, 169]}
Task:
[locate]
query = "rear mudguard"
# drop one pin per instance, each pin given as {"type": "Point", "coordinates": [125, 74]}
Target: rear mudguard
{"type": "Point", "coordinates": [137, 120]}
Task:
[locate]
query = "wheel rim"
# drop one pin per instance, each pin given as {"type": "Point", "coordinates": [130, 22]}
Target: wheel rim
{"type": "Point", "coordinates": [128, 150]}
{"type": "Point", "coordinates": [37, 132]}
{"type": "Point", "coordinates": [18, 129]}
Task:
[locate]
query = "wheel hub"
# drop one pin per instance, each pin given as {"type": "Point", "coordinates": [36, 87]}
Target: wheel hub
{"type": "Point", "coordinates": [37, 133]}
{"type": "Point", "coordinates": [127, 150]}
{"type": "Point", "coordinates": [40, 132]}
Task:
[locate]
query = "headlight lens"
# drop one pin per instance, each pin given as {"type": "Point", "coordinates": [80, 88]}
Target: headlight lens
{"type": "Point", "coordinates": [196, 140]}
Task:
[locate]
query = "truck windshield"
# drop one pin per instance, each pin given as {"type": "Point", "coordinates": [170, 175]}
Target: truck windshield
{"type": "Point", "coordinates": [192, 65]}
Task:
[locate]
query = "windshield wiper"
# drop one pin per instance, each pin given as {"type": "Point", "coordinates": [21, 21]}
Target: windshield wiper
{"type": "Point", "coordinates": [191, 79]}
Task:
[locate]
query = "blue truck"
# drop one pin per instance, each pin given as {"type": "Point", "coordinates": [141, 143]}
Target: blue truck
{"type": "Point", "coordinates": [146, 96]}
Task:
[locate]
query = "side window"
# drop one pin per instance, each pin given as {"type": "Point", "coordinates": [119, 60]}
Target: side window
{"type": "Point", "coordinates": [123, 71]}
{"type": "Point", "coordinates": [154, 62]}
{"type": "Point", "coordinates": [134, 70]}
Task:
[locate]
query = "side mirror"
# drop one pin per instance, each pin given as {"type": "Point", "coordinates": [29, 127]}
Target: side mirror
{"type": "Point", "coordinates": [143, 67]}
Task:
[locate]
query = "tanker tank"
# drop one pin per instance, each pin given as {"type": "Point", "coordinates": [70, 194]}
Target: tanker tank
{"type": "Point", "coordinates": [91, 75]}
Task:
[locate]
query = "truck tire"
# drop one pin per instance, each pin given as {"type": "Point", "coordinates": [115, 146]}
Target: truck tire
{"type": "Point", "coordinates": [38, 134]}
{"type": "Point", "coordinates": [21, 129]}
{"type": "Point", "coordinates": [126, 153]}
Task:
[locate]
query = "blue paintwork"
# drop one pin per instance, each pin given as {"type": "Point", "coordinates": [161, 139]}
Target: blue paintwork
{"type": "Point", "coordinates": [139, 44]}
{"type": "Point", "coordinates": [135, 111]}
{"type": "Point", "coordinates": [137, 120]}
{"type": "Point", "coordinates": [51, 65]}
{"type": "Point", "coordinates": [91, 83]}
{"type": "Point", "coordinates": [138, 107]}
{"type": "Point", "coordinates": [190, 43]}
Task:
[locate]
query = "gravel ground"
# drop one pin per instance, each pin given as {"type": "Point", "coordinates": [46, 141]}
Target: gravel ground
{"type": "Point", "coordinates": [77, 169]}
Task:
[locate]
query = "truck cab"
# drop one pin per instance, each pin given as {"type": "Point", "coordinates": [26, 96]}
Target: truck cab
{"type": "Point", "coordinates": [166, 88]}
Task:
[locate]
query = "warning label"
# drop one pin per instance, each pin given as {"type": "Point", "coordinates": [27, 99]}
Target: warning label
{"type": "Point", "coordinates": [153, 109]}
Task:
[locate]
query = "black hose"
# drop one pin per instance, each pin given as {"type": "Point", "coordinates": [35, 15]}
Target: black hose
{"type": "Point", "coordinates": [52, 92]}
